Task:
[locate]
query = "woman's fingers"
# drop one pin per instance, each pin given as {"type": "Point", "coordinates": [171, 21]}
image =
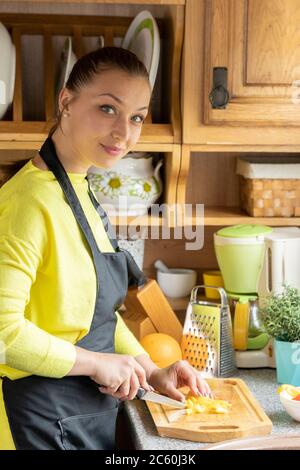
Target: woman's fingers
{"type": "Point", "coordinates": [129, 376]}
{"type": "Point", "coordinates": [203, 386]}
{"type": "Point", "coordinates": [123, 390]}
{"type": "Point", "coordinates": [141, 376]}
{"type": "Point", "coordinates": [129, 392]}
{"type": "Point", "coordinates": [193, 379]}
{"type": "Point", "coordinates": [134, 385]}
{"type": "Point", "coordinates": [197, 384]}
{"type": "Point", "coordinates": [108, 390]}
{"type": "Point", "coordinates": [174, 393]}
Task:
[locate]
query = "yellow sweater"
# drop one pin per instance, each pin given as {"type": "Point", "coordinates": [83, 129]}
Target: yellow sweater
{"type": "Point", "coordinates": [47, 277]}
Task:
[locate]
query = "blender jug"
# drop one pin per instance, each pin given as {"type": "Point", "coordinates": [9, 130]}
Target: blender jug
{"type": "Point", "coordinates": [240, 252]}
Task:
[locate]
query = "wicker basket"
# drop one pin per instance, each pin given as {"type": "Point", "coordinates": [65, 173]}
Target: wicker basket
{"type": "Point", "coordinates": [267, 188]}
{"type": "Point", "coordinates": [270, 198]}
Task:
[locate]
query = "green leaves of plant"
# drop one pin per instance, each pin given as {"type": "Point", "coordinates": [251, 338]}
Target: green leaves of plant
{"type": "Point", "coordinates": [281, 315]}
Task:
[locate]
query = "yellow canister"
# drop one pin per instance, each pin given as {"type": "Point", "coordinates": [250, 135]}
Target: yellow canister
{"type": "Point", "coordinates": [214, 279]}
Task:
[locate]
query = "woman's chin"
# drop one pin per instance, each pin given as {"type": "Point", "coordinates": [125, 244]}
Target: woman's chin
{"type": "Point", "coordinates": [107, 163]}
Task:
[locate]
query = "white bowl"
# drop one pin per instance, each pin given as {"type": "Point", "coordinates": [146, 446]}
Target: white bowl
{"type": "Point", "coordinates": [292, 407]}
{"type": "Point", "coordinates": [177, 282]}
{"type": "Point", "coordinates": [7, 70]}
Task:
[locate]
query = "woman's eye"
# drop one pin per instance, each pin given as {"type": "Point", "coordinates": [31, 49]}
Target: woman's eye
{"type": "Point", "coordinates": [108, 109]}
{"type": "Point", "coordinates": [138, 119]}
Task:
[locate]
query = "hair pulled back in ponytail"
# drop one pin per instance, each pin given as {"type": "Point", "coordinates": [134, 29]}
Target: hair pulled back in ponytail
{"type": "Point", "coordinates": [95, 62]}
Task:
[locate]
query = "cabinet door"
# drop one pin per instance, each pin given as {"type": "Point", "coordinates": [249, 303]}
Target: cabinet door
{"type": "Point", "coordinates": [258, 42]}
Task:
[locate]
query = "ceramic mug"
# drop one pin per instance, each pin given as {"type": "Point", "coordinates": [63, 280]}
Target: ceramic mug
{"type": "Point", "coordinates": [214, 279]}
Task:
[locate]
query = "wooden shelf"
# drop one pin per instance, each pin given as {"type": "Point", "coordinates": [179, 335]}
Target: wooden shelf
{"type": "Point", "coordinates": [30, 135]}
{"type": "Point", "coordinates": [127, 2]}
{"type": "Point", "coordinates": [139, 221]}
{"type": "Point", "coordinates": [242, 148]}
{"type": "Point", "coordinates": [182, 302]}
{"type": "Point", "coordinates": [179, 304]}
{"type": "Point", "coordinates": [213, 216]}
{"type": "Point", "coordinates": [220, 216]}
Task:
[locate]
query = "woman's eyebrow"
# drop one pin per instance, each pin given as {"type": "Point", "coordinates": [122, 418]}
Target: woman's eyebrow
{"type": "Point", "coordinates": [119, 100]}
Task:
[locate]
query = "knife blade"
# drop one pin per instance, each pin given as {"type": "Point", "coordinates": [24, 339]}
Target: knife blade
{"type": "Point", "coordinates": [155, 397]}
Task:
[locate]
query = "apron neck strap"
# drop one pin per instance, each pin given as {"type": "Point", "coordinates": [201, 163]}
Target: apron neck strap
{"type": "Point", "coordinates": [105, 220]}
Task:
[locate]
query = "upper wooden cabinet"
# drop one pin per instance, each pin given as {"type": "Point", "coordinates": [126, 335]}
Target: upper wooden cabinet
{"type": "Point", "coordinates": [258, 42]}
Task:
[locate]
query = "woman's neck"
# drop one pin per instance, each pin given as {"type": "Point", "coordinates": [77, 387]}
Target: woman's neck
{"type": "Point", "coordinates": [65, 154]}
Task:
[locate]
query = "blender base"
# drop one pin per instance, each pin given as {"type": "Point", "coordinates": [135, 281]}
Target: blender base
{"type": "Point", "coordinates": [256, 358]}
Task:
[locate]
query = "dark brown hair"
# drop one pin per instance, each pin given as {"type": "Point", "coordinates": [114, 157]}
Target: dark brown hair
{"type": "Point", "coordinates": [89, 65]}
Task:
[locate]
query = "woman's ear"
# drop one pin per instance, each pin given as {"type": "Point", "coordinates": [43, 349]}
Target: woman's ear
{"type": "Point", "coordinates": [64, 99]}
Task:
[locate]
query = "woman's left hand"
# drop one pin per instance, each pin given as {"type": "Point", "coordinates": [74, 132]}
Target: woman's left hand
{"type": "Point", "coordinates": [180, 373]}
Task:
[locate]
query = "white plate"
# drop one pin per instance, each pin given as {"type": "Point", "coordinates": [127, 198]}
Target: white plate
{"type": "Point", "coordinates": [101, 42]}
{"type": "Point", "coordinates": [68, 59]}
{"type": "Point", "coordinates": [7, 70]}
{"type": "Point", "coordinates": [142, 38]}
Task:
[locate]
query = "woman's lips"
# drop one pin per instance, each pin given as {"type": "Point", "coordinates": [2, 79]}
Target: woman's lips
{"type": "Point", "coordinates": [113, 151]}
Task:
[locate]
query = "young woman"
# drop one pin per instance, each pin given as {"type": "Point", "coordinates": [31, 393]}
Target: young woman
{"type": "Point", "coordinates": [69, 358]}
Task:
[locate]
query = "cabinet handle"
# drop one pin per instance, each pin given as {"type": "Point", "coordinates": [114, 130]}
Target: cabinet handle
{"type": "Point", "coordinates": [219, 95]}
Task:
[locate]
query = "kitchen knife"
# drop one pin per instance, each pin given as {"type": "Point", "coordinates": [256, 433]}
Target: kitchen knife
{"type": "Point", "coordinates": [155, 397]}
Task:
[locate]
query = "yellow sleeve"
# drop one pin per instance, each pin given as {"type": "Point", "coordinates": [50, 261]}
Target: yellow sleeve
{"type": "Point", "coordinates": [125, 341]}
{"type": "Point", "coordinates": [26, 347]}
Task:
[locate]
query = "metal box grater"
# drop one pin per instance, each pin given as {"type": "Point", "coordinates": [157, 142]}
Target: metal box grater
{"type": "Point", "coordinates": [207, 342]}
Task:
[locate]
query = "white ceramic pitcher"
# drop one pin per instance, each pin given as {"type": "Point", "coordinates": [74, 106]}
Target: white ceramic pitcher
{"type": "Point", "coordinates": [128, 188]}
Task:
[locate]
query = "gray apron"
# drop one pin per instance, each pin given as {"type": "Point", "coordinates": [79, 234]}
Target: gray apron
{"type": "Point", "coordinates": [70, 413]}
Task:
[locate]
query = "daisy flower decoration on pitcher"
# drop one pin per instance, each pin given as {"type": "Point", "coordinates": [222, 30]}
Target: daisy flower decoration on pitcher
{"type": "Point", "coordinates": [145, 189]}
{"type": "Point", "coordinates": [111, 183]}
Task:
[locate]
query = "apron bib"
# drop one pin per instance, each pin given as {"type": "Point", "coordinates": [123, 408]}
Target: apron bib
{"type": "Point", "coordinates": [70, 413]}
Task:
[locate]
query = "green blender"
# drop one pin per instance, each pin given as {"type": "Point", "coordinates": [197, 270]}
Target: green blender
{"type": "Point", "coordinates": [240, 252]}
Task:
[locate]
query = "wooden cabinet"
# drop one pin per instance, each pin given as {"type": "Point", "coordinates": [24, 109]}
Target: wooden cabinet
{"type": "Point", "coordinates": [257, 42]}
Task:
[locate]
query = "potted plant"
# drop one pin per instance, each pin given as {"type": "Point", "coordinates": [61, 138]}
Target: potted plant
{"type": "Point", "coordinates": [281, 320]}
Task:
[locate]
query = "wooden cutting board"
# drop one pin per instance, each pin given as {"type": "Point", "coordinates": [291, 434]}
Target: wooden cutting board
{"type": "Point", "coordinates": [245, 418]}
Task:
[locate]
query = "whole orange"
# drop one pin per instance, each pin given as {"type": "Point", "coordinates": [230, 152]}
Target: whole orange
{"type": "Point", "coordinates": [162, 349]}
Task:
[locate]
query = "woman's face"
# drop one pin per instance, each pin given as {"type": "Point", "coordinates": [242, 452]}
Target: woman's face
{"type": "Point", "coordinates": [104, 121]}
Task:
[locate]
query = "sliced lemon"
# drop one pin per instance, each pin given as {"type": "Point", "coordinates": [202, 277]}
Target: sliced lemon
{"type": "Point", "coordinates": [289, 389]}
{"type": "Point", "coordinates": [196, 405]}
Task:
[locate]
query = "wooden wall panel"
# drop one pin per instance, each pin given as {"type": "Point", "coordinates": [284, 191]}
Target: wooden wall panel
{"type": "Point", "coordinates": [212, 179]}
{"type": "Point", "coordinates": [175, 255]}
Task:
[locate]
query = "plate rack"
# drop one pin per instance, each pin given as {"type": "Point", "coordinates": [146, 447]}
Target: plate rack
{"type": "Point", "coordinates": [49, 26]}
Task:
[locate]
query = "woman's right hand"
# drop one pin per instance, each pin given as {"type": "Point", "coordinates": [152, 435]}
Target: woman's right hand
{"type": "Point", "coordinates": [119, 375]}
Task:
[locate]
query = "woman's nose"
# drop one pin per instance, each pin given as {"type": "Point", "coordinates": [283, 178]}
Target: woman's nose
{"type": "Point", "coordinates": [121, 131]}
